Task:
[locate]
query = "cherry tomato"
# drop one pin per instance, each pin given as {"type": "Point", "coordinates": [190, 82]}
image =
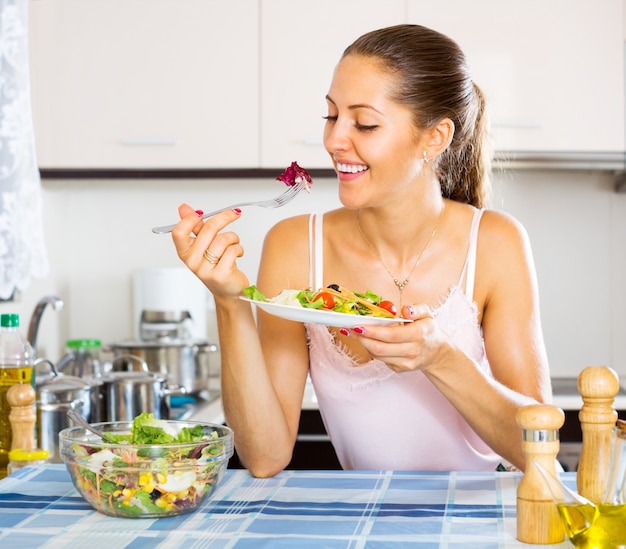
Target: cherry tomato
{"type": "Point", "coordinates": [388, 306]}
{"type": "Point", "coordinates": [328, 299]}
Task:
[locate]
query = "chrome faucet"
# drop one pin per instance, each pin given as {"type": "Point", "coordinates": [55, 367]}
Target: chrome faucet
{"type": "Point", "coordinates": [33, 327]}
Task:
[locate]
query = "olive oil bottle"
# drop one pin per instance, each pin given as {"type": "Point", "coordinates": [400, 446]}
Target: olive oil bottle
{"type": "Point", "coordinates": [602, 526]}
{"type": "Point", "coordinates": [16, 366]}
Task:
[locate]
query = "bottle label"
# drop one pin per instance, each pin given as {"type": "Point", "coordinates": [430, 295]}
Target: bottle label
{"type": "Point", "coordinates": [13, 376]}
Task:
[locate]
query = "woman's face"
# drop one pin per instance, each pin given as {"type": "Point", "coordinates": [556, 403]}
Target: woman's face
{"type": "Point", "coordinates": [372, 140]}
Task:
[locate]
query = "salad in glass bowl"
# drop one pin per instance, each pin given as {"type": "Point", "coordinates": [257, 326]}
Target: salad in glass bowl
{"type": "Point", "coordinates": [155, 468]}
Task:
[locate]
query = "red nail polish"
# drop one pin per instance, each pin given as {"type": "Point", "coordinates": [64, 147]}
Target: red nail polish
{"type": "Point", "coordinates": [359, 329]}
{"type": "Point", "coordinates": [345, 332]}
{"type": "Point", "coordinates": [237, 211]}
{"type": "Point", "coordinates": [199, 213]}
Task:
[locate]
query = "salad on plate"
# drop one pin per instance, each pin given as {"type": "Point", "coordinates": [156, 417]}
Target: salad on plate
{"type": "Point", "coordinates": [332, 298]}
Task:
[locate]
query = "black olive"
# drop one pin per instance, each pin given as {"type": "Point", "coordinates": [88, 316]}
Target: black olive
{"type": "Point", "coordinates": [335, 287]}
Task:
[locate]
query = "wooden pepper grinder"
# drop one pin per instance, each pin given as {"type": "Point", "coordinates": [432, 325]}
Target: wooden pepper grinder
{"type": "Point", "coordinates": [538, 519]}
{"type": "Point", "coordinates": [22, 416]}
{"type": "Point", "coordinates": [598, 386]}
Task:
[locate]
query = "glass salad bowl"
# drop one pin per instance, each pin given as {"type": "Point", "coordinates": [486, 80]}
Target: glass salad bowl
{"type": "Point", "coordinates": [155, 468]}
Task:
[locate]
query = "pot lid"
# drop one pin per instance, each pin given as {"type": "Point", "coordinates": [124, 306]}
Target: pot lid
{"type": "Point", "coordinates": [160, 343]}
{"type": "Point", "coordinates": [62, 388]}
{"type": "Point", "coordinates": [61, 382]}
{"type": "Point", "coordinates": [133, 376]}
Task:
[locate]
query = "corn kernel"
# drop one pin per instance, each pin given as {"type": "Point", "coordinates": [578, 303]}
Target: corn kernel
{"type": "Point", "coordinates": [161, 478]}
{"type": "Point", "coordinates": [183, 494]}
{"type": "Point", "coordinates": [149, 488]}
{"type": "Point", "coordinates": [144, 479]}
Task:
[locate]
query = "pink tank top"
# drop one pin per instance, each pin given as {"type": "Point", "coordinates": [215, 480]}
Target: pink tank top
{"type": "Point", "coordinates": [378, 419]}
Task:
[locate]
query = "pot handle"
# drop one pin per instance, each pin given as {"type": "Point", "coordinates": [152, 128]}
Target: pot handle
{"type": "Point", "coordinates": [53, 368]}
{"type": "Point", "coordinates": [135, 360]}
{"type": "Point", "coordinates": [174, 390]}
{"type": "Point", "coordinates": [206, 349]}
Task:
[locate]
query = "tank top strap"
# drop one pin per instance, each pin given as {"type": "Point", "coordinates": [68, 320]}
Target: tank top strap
{"type": "Point", "coordinates": [316, 251]}
{"type": "Point", "coordinates": [469, 268]}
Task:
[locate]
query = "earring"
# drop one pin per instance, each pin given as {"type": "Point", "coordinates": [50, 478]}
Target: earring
{"type": "Point", "coordinates": [426, 159]}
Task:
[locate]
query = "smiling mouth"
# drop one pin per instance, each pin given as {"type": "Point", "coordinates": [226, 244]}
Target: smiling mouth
{"type": "Point", "coordinates": [351, 168]}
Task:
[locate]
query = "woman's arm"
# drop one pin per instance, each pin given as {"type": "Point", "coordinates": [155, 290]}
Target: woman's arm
{"type": "Point", "coordinates": [263, 376]}
{"type": "Point", "coordinates": [264, 372]}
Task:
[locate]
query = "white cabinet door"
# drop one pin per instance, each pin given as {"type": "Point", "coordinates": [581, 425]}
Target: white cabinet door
{"type": "Point", "coordinates": [301, 42]}
{"type": "Point", "coordinates": [553, 70]}
{"type": "Point", "coordinates": [145, 83]}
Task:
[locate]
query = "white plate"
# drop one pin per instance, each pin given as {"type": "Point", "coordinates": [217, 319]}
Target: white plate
{"type": "Point", "coordinates": [326, 318]}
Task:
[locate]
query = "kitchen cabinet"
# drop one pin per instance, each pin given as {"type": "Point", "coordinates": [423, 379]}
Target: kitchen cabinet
{"type": "Point", "coordinates": [145, 83]}
{"type": "Point", "coordinates": [211, 84]}
{"type": "Point", "coordinates": [301, 44]}
{"type": "Point", "coordinates": [553, 71]}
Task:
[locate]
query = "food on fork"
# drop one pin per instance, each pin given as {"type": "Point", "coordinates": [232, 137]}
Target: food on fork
{"type": "Point", "coordinates": [294, 174]}
{"type": "Point", "coordinates": [332, 298]}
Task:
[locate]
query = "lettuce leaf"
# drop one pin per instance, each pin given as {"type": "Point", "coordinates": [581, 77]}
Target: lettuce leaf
{"type": "Point", "coordinates": [252, 292]}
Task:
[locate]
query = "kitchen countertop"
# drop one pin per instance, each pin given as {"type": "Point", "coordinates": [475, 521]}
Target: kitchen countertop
{"type": "Point", "coordinates": [565, 394]}
{"type": "Point", "coordinates": [39, 507]}
{"type": "Point", "coordinates": [565, 397]}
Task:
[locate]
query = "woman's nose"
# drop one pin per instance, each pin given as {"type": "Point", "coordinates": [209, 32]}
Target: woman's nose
{"type": "Point", "coordinates": [336, 138]}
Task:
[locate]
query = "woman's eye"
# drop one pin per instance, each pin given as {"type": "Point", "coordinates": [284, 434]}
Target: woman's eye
{"type": "Point", "coordinates": [330, 118]}
{"type": "Point", "coordinates": [365, 127]}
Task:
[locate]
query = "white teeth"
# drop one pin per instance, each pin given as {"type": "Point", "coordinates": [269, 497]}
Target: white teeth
{"type": "Point", "coordinates": [350, 168]}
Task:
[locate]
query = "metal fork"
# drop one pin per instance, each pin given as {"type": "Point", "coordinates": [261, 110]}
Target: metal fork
{"type": "Point", "coordinates": [277, 202]}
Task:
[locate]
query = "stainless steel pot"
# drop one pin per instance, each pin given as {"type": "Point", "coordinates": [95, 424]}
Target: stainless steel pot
{"type": "Point", "coordinates": [129, 393]}
{"type": "Point", "coordinates": [183, 362]}
{"type": "Point", "coordinates": [58, 393]}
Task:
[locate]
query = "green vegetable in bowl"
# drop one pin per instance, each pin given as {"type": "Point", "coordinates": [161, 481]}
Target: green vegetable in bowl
{"type": "Point", "coordinates": [156, 468]}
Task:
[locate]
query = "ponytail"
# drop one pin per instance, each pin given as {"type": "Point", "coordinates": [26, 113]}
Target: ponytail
{"type": "Point", "coordinates": [463, 168]}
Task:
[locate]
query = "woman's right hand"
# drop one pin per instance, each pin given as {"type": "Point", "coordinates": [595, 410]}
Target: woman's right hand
{"type": "Point", "coordinates": [209, 253]}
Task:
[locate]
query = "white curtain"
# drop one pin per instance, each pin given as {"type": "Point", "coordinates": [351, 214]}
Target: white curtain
{"type": "Point", "coordinates": [22, 248]}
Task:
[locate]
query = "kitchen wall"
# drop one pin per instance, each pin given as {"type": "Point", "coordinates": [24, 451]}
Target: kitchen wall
{"type": "Point", "coordinates": [98, 233]}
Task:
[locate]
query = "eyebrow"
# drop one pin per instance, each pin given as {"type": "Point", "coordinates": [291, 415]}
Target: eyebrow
{"type": "Point", "coordinates": [356, 106]}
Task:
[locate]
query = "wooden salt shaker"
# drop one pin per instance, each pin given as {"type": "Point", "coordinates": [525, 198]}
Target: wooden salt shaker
{"type": "Point", "coordinates": [22, 416]}
{"type": "Point", "coordinates": [598, 386]}
{"type": "Point", "coordinates": [538, 519]}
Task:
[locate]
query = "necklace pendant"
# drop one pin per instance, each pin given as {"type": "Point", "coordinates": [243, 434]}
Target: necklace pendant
{"type": "Point", "coordinates": [399, 284]}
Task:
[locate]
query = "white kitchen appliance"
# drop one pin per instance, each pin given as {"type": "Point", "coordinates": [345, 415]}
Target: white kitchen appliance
{"type": "Point", "coordinates": [173, 290]}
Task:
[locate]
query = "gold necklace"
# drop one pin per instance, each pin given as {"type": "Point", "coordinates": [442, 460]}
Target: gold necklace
{"type": "Point", "coordinates": [401, 284]}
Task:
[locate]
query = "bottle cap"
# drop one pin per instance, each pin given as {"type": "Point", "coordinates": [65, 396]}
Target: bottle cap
{"type": "Point", "coordinates": [34, 454]}
{"type": "Point", "coordinates": [83, 344]}
{"type": "Point", "coordinates": [10, 320]}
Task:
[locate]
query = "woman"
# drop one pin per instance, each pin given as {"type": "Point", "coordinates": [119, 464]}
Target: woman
{"type": "Point", "coordinates": [406, 134]}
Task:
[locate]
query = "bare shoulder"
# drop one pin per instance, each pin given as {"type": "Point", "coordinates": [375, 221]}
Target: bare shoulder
{"type": "Point", "coordinates": [285, 257]}
{"type": "Point", "coordinates": [502, 234]}
{"type": "Point", "coordinates": [504, 256]}
{"type": "Point", "coordinates": [288, 236]}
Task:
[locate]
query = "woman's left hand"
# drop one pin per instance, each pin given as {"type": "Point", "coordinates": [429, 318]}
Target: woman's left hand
{"type": "Point", "coordinates": [412, 346]}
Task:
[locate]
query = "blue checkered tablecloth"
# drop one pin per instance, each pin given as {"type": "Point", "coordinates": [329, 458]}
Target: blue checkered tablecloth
{"type": "Point", "coordinates": [39, 508]}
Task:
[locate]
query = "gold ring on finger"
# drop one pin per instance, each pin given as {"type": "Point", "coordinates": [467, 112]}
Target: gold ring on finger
{"type": "Point", "coordinates": [210, 257]}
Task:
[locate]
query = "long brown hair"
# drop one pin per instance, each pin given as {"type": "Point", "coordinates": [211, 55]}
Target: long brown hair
{"type": "Point", "coordinates": [434, 81]}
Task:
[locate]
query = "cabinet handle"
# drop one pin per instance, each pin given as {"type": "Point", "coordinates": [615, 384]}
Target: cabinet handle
{"type": "Point", "coordinates": [148, 142]}
{"type": "Point", "coordinates": [522, 125]}
{"type": "Point", "coordinates": [313, 438]}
